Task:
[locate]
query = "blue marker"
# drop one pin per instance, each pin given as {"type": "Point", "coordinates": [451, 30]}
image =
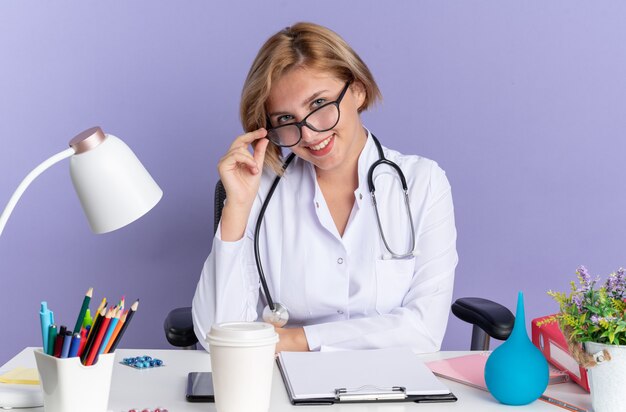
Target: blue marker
{"type": "Point", "coordinates": [67, 340]}
{"type": "Point", "coordinates": [47, 318]}
{"type": "Point", "coordinates": [75, 345]}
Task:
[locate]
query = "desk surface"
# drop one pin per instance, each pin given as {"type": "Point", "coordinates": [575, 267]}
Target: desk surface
{"type": "Point", "coordinates": [165, 387]}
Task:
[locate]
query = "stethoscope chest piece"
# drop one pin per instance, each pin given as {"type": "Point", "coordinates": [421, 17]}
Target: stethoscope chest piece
{"type": "Point", "coordinates": [277, 317]}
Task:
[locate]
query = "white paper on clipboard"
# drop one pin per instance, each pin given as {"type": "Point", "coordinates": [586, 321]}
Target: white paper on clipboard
{"type": "Point", "coordinates": [321, 374]}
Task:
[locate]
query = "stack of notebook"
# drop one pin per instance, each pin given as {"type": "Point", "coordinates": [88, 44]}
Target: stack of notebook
{"type": "Point", "coordinates": [470, 370]}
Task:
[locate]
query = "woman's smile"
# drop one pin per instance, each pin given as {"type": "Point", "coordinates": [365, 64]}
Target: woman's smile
{"type": "Point", "coordinates": [322, 148]}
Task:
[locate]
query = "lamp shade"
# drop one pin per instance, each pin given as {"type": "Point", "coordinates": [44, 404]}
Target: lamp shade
{"type": "Point", "coordinates": [113, 186]}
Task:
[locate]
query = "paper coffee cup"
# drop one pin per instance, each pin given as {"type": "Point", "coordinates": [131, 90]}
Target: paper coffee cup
{"type": "Point", "coordinates": [242, 361]}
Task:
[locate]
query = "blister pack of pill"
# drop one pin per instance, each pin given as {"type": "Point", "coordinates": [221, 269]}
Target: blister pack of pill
{"type": "Point", "coordinates": [142, 362]}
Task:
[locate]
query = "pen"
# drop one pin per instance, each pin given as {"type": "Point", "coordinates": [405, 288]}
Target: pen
{"type": "Point", "coordinates": [88, 320]}
{"type": "Point", "coordinates": [75, 345]}
{"type": "Point", "coordinates": [47, 318]}
{"type": "Point", "coordinates": [67, 340]}
{"type": "Point", "coordinates": [52, 335]}
{"type": "Point", "coordinates": [58, 343]}
{"type": "Point", "coordinates": [83, 309]}
{"type": "Point", "coordinates": [562, 404]}
{"type": "Point", "coordinates": [83, 342]}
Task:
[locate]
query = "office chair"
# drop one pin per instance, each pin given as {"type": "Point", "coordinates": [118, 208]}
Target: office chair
{"type": "Point", "coordinates": [178, 324]}
{"type": "Point", "coordinates": [489, 319]}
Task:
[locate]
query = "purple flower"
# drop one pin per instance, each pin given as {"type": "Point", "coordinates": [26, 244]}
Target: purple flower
{"type": "Point", "coordinates": [585, 278]}
{"type": "Point", "coordinates": [616, 284]}
{"type": "Point", "coordinates": [611, 285]}
{"type": "Point", "coordinates": [594, 319]}
{"type": "Point", "coordinates": [578, 301]}
{"type": "Point", "coordinates": [620, 275]}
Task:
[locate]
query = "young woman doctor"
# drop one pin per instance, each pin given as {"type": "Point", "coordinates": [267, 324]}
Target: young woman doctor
{"type": "Point", "coordinates": [351, 274]}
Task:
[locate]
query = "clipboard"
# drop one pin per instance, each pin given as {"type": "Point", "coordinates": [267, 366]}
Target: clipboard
{"type": "Point", "coordinates": [325, 378]}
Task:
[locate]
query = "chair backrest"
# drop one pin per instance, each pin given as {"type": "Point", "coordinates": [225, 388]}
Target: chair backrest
{"type": "Point", "coordinates": [489, 319]}
{"type": "Point", "coordinates": [220, 197]}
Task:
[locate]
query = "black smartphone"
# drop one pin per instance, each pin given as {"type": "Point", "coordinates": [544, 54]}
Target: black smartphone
{"type": "Point", "coordinates": [200, 387]}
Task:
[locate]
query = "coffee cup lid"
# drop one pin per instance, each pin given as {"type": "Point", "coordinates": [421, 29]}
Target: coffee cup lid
{"type": "Point", "coordinates": [242, 334]}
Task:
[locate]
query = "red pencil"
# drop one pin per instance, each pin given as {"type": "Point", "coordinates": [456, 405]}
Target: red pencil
{"type": "Point", "coordinates": [96, 344]}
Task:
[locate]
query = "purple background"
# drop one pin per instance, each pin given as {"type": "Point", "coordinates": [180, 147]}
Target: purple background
{"type": "Point", "coordinates": [522, 103]}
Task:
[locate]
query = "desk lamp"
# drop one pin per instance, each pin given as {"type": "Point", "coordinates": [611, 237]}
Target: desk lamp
{"type": "Point", "coordinates": [113, 186]}
{"type": "Point", "coordinates": [114, 190]}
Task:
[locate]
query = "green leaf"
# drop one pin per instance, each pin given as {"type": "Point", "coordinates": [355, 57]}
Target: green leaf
{"type": "Point", "coordinates": [612, 336]}
{"type": "Point", "coordinates": [594, 309]}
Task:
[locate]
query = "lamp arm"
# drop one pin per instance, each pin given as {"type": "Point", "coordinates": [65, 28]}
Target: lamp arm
{"type": "Point", "coordinates": [28, 180]}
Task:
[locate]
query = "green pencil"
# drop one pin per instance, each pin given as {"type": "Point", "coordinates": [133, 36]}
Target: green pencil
{"type": "Point", "coordinates": [83, 310]}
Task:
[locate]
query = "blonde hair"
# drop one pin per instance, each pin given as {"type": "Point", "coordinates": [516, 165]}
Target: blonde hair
{"type": "Point", "coordinates": [301, 45]}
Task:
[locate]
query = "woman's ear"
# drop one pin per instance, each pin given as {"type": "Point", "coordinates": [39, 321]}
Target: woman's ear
{"type": "Point", "coordinates": [359, 93]}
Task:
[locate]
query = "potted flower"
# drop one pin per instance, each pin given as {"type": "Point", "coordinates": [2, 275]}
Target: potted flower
{"type": "Point", "coordinates": [592, 317]}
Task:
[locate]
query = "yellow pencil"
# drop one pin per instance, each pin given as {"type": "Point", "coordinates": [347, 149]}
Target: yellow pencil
{"type": "Point", "coordinates": [102, 305]}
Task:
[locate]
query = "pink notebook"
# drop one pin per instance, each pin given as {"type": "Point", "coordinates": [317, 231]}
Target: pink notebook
{"type": "Point", "coordinates": [470, 370]}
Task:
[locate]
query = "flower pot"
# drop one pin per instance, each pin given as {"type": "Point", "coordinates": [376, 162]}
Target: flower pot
{"type": "Point", "coordinates": [607, 379]}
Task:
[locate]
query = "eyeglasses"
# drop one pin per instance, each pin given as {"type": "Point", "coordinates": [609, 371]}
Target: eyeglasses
{"type": "Point", "coordinates": [321, 119]}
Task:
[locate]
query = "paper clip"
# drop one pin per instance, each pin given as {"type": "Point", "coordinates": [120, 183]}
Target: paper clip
{"type": "Point", "coordinates": [370, 393]}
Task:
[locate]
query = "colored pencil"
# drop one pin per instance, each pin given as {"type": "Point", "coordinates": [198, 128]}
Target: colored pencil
{"type": "Point", "coordinates": [92, 335]}
{"type": "Point", "coordinates": [114, 321]}
{"type": "Point", "coordinates": [103, 305]}
{"type": "Point", "coordinates": [83, 309]}
{"type": "Point", "coordinates": [93, 352]}
{"type": "Point", "coordinates": [116, 332]}
{"type": "Point", "coordinates": [129, 317]}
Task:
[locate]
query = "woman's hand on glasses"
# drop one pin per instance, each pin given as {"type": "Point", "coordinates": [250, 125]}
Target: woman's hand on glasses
{"type": "Point", "coordinates": [240, 172]}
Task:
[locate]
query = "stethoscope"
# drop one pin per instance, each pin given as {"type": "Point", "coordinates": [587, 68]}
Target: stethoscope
{"type": "Point", "coordinates": [276, 313]}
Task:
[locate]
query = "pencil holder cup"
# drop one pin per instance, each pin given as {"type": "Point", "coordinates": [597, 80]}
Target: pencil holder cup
{"type": "Point", "coordinates": [70, 386]}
